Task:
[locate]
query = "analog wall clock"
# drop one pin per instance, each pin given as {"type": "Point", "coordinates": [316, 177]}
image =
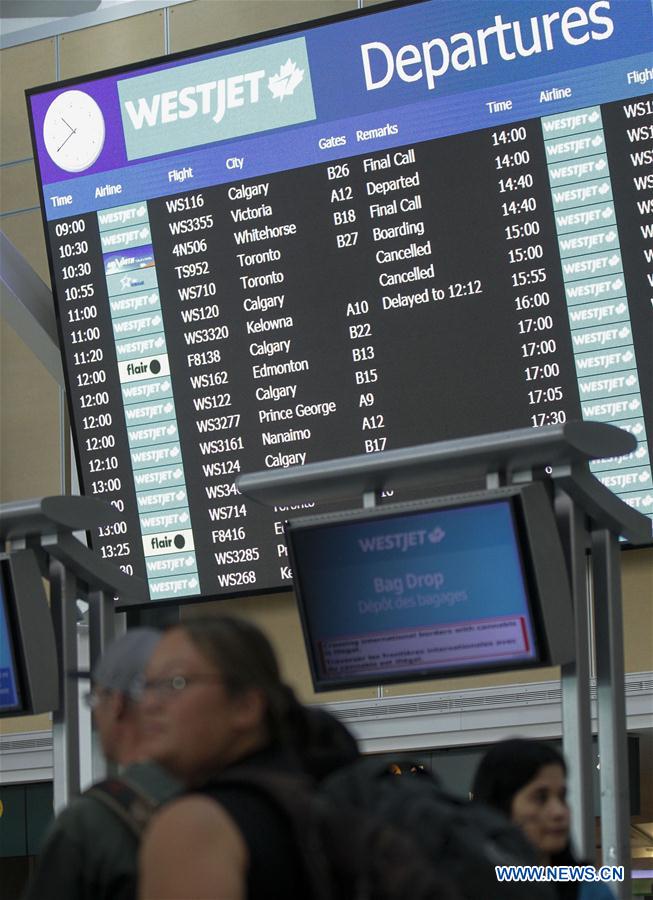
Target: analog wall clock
{"type": "Point", "coordinates": [73, 131]}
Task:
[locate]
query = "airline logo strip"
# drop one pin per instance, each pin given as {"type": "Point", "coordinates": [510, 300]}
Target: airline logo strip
{"type": "Point", "coordinates": [595, 290]}
{"type": "Point", "coordinates": [148, 403]}
{"type": "Point", "coordinates": [217, 99]}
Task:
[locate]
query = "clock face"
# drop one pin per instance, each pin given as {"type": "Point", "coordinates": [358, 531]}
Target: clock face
{"type": "Point", "coordinates": [73, 131]}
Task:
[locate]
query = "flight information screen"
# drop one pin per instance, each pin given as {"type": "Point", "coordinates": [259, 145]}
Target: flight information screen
{"type": "Point", "coordinates": [410, 224]}
{"type": "Point", "coordinates": [10, 696]}
{"type": "Point", "coordinates": [418, 594]}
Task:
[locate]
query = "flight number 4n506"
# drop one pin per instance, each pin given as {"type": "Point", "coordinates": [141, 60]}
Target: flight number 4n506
{"type": "Point", "coordinates": [187, 248]}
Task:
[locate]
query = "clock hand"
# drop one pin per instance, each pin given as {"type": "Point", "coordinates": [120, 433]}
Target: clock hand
{"type": "Point", "coordinates": [68, 138]}
{"type": "Point", "coordinates": [66, 123]}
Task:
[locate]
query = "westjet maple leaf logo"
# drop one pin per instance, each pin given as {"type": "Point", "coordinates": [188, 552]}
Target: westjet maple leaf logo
{"type": "Point", "coordinates": [283, 84]}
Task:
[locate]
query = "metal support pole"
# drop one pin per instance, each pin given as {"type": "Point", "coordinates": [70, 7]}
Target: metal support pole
{"type": "Point", "coordinates": [610, 688]}
{"type": "Point", "coordinates": [369, 502]}
{"type": "Point", "coordinates": [101, 629]}
{"type": "Point", "coordinates": [575, 681]}
{"type": "Point", "coordinates": [65, 720]}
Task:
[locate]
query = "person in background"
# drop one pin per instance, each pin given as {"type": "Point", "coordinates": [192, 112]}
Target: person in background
{"type": "Point", "coordinates": [527, 781]}
{"type": "Point", "coordinates": [91, 849]}
{"type": "Point", "coordinates": [213, 701]}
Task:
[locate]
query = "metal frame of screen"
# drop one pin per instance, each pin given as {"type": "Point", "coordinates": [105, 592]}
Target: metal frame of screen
{"type": "Point", "coordinates": [35, 647]}
{"type": "Point", "coordinates": [541, 563]}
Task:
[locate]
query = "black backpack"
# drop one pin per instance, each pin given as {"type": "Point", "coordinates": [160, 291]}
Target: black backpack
{"type": "Point", "coordinates": [464, 839]}
{"type": "Point", "coordinates": [345, 854]}
{"type": "Point", "coordinates": [365, 834]}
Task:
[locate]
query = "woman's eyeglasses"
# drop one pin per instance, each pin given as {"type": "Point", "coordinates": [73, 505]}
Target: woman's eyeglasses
{"type": "Point", "coordinates": [165, 688]}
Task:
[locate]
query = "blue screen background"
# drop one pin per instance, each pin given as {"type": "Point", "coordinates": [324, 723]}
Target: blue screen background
{"type": "Point", "coordinates": [9, 697]}
{"type": "Point", "coordinates": [357, 579]}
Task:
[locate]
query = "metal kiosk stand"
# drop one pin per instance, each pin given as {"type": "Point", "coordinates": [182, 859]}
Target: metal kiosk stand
{"type": "Point", "coordinates": [74, 571]}
{"type": "Point", "coordinates": [589, 516]}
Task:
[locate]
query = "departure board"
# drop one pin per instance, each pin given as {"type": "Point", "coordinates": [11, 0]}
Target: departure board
{"type": "Point", "coordinates": [414, 223]}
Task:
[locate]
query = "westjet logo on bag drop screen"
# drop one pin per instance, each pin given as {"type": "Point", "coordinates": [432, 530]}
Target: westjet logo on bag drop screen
{"type": "Point", "coordinates": [217, 99]}
{"type": "Point", "coordinates": [402, 540]}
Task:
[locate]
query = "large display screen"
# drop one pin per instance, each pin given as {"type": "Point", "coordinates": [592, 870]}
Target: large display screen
{"type": "Point", "coordinates": [404, 225]}
{"type": "Point", "coordinates": [423, 593]}
{"type": "Point", "coordinates": [10, 697]}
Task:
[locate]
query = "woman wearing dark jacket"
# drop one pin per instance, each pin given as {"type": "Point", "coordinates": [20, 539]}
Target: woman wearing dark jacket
{"type": "Point", "coordinates": [527, 781]}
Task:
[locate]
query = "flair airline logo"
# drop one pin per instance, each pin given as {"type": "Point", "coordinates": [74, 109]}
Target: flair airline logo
{"type": "Point", "coordinates": [215, 99]}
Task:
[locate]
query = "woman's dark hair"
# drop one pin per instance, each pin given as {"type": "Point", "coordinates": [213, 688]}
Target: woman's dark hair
{"type": "Point", "coordinates": [509, 766]}
{"type": "Point", "coordinates": [505, 769]}
{"type": "Point", "coordinates": [245, 659]}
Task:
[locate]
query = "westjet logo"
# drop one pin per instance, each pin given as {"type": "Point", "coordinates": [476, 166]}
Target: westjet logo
{"type": "Point", "coordinates": [217, 98]}
{"type": "Point", "coordinates": [288, 77]}
{"type": "Point", "coordinates": [401, 541]}
{"type": "Point", "coordinates": [213, 98]}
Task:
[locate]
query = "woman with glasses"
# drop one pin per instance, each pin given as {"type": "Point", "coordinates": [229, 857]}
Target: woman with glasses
{"type": "Point", "coordinates": [213, 699]}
